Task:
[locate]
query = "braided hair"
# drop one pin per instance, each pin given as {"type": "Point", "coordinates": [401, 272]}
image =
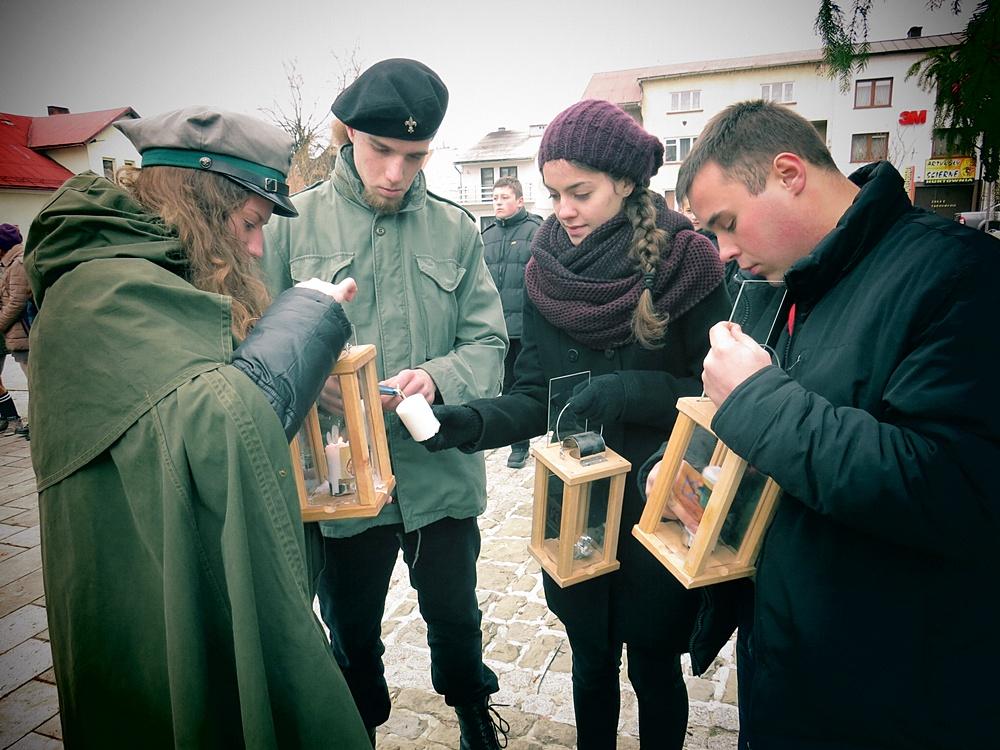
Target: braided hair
{"type": "Point", "coordinates": [648, 241]}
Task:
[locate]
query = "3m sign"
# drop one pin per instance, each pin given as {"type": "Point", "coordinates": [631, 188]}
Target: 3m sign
{"type": "Point", "coordinates": [960, 169]}
{"type": "Point", "coordinates": [913, 117]}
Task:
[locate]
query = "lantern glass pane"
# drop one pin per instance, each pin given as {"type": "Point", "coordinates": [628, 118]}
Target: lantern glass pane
{"type": "Point", "coordinates": [562, 421]}
{"type": "Point", "coordinates": [587, 534]}
{"type": "Point", "coordinates": [700, 472]}
{"type": "Point", "coordinates": [370, 412]}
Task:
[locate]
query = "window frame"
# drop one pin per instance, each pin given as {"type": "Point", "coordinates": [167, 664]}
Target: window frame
{"type": "Point", "coordinates": [508, 171]}
{"type": "Point", "coordinates": [781, 99]}
{"type": "Point", "coordinates": [869, 158]}
{"type": "Point", "coordinates": [871, 96]}
{"type": "Point", "coordinates": [678, 108]}
{"type": "Point", "coordinates": [105, 161]}
{"type": "Point", "coordinates": [676, 145]}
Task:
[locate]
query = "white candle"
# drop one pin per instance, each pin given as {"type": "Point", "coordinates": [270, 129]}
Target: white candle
{"type": "Point", "coordinates": [417, 417]}
{"type": "Point", "coordinates": [333, 464]}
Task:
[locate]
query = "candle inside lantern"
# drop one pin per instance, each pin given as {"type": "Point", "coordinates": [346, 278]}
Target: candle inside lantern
{"type": "Point", "coordinates": [333, 462]}
{"type": "Point", "coordinates": [416, 415]}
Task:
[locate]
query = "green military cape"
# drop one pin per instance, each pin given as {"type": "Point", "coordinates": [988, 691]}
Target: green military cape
{"type": "Point", "coordinates": [173, 550]}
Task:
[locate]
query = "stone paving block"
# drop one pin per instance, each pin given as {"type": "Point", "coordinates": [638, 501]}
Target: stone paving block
{"type": "Point", "coordinates": [24, 518]}
{"type": "Point", "coordinates": [13, 475]}
{"type": "Point", "coordinates": [30, 537]}
{"type": "Point", "coordinates": [7, 530]}
{"type": "Point", "coordinates": [8, 511]}
{"type": "Point", "coordinates": [24, 498]}
{"type": "Point", "coordinates": [8, 550]}
{"type": "Point", "coordinates": [26, 708]}
{"type": "Point", "coordinates": [729, 694]}
{"type": "Point", "coordinates": [540, 652]}
{"type": "Point", "coordinates": [23, 591]}
{"type": "Point", "coordinates": [51, 728]}
{"type": "Point", "coordinates": [20, 625]}
{"type": "Point", "coordinates": [20, 565]}
{"type": "Point", "coordinates": [35, 741]}
{"type": "Point", "coordinates": [700, 689]}
{"type": "Point", "coordinates": [405, 724]}
{"type": "Point", "coordinates": [23, 663]}
{"type": "Point", "coordinates": [49, 675]}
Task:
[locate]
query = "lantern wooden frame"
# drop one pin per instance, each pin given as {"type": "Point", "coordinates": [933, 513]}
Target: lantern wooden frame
{"type": "Point", "coordinates": [707, 560]}
{"type": "Point", "coordinates": [556, 555]}
{"type": "Point", "coordinates": [356, 371]}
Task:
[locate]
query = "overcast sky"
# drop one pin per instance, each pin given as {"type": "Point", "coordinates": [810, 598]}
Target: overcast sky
{"type": "Point", "coordinates": [509, 64]}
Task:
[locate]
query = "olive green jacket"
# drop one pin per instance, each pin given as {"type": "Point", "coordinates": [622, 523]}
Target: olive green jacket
{"type": "Point", "coordinates": [425, 300]}
{"type": "Point", "coordinates": [172, 546]}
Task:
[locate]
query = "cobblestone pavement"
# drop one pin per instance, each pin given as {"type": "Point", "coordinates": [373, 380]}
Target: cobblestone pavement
{"type": "Point", "coordinates": [524, 643]}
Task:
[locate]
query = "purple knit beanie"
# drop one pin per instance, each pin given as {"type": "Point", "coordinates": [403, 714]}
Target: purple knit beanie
{"type": "Point", "coordinates": [9, 236]}
{"type": "Point", "coordinates": [603, 136]}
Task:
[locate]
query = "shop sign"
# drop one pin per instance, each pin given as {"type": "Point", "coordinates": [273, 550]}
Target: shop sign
{"type": "Point", "coordinates": [959, 169]}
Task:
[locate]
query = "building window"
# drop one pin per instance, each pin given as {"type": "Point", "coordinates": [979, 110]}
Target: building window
{"type": "Point", "coordinates": [486, 181]}
{"type": "Point", "coordinates": [677, 149]}
{"type": "Point", "coordinates": [508, 172]}
{"type": "Point", "coordinates": [109, 168]}
{"type": "Point", "coordinates": [866, 147]}
{"type": "Point", "coordinates": [940, 148]}
{"type": "Point", "coordinates": [874, 92]}
{"type": "Point", "coordinates": [128, 163]}
{"type": "Point", "coordinates": [783, 93]}
{"type": "Point", "coordinates": [685, 101]}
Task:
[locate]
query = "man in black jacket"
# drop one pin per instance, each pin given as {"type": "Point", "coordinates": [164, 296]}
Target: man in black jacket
{"type": "Point", "coordinates": [507, 250]}
{"type": "Point", "coordinates": [876, 584]}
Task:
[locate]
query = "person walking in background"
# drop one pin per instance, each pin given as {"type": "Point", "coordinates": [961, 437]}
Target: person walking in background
{"type": "Point", "coordinates": [173, 550]}
{"type": "Point", "coordinates": [429, 305]}
{"type": "Point", "coordinates": [14, 297]}
{"type": "Point", "coordinates": [621, 286]}
{"type": "Point", "coordinates": [876, 581]}
{"type": "Point", "coordinates": [507, 249]}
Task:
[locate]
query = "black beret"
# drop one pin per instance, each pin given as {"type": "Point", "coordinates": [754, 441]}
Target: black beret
{"type": "Point", "coordinates": [395, 98]}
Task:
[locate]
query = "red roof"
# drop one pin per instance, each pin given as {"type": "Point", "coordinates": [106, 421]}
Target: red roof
{"type": "Point", "coordinates": [20, 167]}
{"type": "Point", "coordinates": [55, 131]}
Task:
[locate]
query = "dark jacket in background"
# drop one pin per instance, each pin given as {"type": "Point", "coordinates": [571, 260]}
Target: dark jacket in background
{"type": "Point", "coordinates": [507, 250]}
{"type": "Point", "coordinates": [876, 594]}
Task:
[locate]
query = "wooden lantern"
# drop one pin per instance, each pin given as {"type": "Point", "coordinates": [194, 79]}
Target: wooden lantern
{"type": "Point", "coordinates": [576, 554]}
{"type": "Point", "coordinates": [729, 533]}
{"type": "Point", "coordinates": [364, 481]}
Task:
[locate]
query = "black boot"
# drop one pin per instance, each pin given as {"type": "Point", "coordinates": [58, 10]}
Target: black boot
{"type": "Point", "coordinates": [481, 726]}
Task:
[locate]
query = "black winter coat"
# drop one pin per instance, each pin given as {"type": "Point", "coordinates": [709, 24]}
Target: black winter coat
{"type": "Point", "coordinates": [507, 249]}
{"type": "Point", "coordinates": [652, 610]}
{"type": "Point", "coordinates": [876, 592]}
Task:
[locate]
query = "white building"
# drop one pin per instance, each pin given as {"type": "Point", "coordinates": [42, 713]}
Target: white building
{"type": "Point", "coordinates": [881, 116]}
{"type": "Point", "coordinates": [502, 153]}
{"type": "Point", "coordinates": [38, 154]}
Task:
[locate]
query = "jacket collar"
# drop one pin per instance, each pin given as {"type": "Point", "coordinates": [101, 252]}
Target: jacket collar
{"type": "Point", "coordinates": [512, 221]}
{"type": "Point", "coordinates": [348, 184]}
{"type": "Point", "coordinates": [876, 208]}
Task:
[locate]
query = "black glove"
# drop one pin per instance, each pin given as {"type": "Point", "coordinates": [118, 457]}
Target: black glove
{"type": "Point", "coordinates": [602, 400]}
{"type": "Point", "coordinates": [460, 426]}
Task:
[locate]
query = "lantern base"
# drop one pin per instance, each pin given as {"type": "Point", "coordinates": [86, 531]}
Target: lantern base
{"type": "Point", "coordinates": [667, 544]}
{"type": "Point", "coordinates": [547, 554]}
{"type": "Point", "coordinates": [323, 507]}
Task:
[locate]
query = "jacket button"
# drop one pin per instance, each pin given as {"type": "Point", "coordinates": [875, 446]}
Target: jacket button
{"type": "Point", "coordinates": [282, 472]}
{"type": "Point", "coordinates": [379, 231]}
{"type": "Point", "coordinates": [609, 353]}
{"type": "Point", "coordinates": [572, 355]}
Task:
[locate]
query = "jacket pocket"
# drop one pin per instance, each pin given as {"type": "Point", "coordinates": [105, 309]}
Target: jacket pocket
{"type": "Point", "coordinates": [439, 278]}
{"type": "Point", "coordinates": [326, 267]}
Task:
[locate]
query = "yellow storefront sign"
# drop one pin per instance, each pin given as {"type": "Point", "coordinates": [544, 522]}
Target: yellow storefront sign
{"type": "Point", "coordinates": [961, 169]}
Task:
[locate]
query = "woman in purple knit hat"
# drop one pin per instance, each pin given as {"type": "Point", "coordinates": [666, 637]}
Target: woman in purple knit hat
{"type": "Point", "coordinates": [619, 285]}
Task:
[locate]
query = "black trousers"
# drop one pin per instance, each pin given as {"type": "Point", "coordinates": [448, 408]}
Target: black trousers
{"type": "Point", "coordinates": [655, 675]}
{"type": "Point", "coordinates": [508, 380]}
{"type": "Point", "coordinates": [441, 558]}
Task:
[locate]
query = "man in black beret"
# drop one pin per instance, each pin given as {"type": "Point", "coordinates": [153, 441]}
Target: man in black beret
{"type": "Point", "coordinates": [434, 314]}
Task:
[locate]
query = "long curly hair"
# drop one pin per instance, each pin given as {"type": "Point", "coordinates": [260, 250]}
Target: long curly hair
{"type": "Point", "coordinates": [197, 205]}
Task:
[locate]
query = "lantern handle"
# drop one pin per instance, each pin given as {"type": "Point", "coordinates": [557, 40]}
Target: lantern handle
{"type": "Point", "coordinates": [559, 416]}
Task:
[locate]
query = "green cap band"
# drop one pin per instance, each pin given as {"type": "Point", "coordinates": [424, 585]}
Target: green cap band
{"type": "Point", "coordinates": [269, 179]}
